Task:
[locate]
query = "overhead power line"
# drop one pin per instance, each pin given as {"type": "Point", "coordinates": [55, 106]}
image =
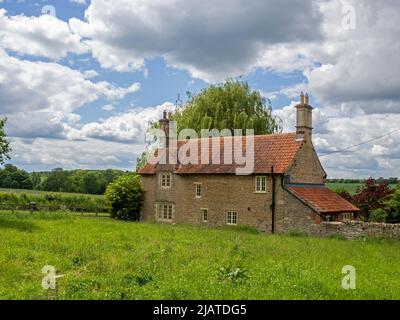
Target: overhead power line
{"type": "Point", "coordinates": [361, 143]}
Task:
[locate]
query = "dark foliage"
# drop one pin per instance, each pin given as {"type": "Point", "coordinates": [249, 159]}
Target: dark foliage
{"type": "Point", "coordinates": [372, 195]}
{"type": "Point", "coordinates": [12, 177]}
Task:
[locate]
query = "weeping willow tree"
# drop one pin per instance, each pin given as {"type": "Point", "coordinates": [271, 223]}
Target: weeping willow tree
{"type": "Point", "coordinates": [229, 105]}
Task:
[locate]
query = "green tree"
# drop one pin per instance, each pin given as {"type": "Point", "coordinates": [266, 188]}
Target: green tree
{"type": "Point", "coordinates": [108, 176]}
{"type": "Point", "coordinates": [36, 180]}
{"type": "Point", "coordinates": [125, 197]}
{"type": "Point", "coordinates": [14, 178]}
{"type": "Point", "coordinates": [56, 180]}
{"type": "Point", "coordinates": [74, 182]}
{"type": "Point", "coordinates": [5, 148]}
{"type": "Point", "coordinates": [229, 105]}
{"type": "Point", "coordinates": [91, 183]}
{"type": "Point", "coordinates": [378, 215]}
{"type": "Point", "coordinates": [393, 207]}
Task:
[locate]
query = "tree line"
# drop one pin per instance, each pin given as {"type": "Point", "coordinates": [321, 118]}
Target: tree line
{"type": "Point", "coordinates": [380, 180]}
{"type": "Point", "coordinates": [59, 180]}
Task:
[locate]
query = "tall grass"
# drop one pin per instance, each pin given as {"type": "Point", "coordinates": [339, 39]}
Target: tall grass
{"type": "Point", "coordinates": [106, 259]}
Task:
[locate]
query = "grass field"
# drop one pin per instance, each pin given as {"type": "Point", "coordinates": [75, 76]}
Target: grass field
{"type": "Point", "coordinates": [38, 193]}
{"type": "Point", "coordinates": [106, 259]}
{"type": "Point", "coordinates": [350, 187]}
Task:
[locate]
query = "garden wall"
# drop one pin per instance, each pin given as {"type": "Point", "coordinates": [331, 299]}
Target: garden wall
{"type": "Point", "coordinates": [353, 229]}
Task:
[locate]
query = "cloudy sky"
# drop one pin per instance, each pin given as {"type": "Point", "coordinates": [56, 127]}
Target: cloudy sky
{"type": "Point", "coordinates": [80, 80]}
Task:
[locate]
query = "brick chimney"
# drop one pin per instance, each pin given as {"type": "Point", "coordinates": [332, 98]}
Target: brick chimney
{"type": "Point", "coordinates": [164, 125]}
{"type": "Point", "coordinates": [304, 118]}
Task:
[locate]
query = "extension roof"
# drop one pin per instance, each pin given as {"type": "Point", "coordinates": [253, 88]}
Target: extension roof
{"type": "Point", "coordinates": [321, 199]}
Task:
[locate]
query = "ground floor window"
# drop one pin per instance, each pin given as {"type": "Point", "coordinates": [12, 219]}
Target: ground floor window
{"type": "Point", "coordinates": [348, 216]}
{"type": "Point", "coordinates": [204, 215]}
{"type": "Point", "coordinates": [231, 218]}
{"type": "Point", "coordinates": [164, 211]}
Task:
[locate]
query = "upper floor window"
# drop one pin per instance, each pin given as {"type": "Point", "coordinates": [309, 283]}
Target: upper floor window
{"type": "Point", "coordinates": [231, 218]}
{"type": "Point", "coordinates": [198, 190]}
{"type": "Point", "coordinates": [165, 180]}
{"type": "Point", "coordinates": [261, 184]}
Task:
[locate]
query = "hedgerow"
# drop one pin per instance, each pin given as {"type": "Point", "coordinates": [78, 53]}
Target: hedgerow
{"type": "Point", "coordinates": [52, 202]}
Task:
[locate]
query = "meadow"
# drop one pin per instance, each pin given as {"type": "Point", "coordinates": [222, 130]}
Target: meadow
{"type": "Point", "coordinates": [100, 258]}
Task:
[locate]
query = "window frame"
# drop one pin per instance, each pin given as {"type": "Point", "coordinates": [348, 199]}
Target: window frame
{"type": "Point", "coordinates": [168, 178]}
{"type": "Point", "coordinates": [347, 216]}
{"type": "Point", "coordinates": [232, 218]}
{"type": "Point", "coordinates": [165, 212]}
{"type": "Point", "coordinates": [256, 184]}
{"type": "Point", "coordinates": [196, 186]}
{"type": "Point", "coordinates": [204, 212]}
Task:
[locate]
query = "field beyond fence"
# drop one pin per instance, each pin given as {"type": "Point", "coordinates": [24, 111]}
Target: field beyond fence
{"type": "Point", "coordinates": [13, 201]}
{"type": "Point", "coordinates": [349, 187]}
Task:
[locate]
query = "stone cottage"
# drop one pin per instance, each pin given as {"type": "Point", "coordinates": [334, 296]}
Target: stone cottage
{"type": "Point", "coordinates": [284, 191]}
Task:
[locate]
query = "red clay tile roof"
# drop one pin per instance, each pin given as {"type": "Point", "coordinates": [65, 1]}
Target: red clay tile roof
{"type": "Point", "coordinates": [322, 199]}
{"type": "Point", "coordinates": [276, 150]}
{"type": "Point", "coordinates": [147, 169]}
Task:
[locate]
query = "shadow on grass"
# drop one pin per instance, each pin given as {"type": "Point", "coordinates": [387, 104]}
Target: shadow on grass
{"type": "Point", "coordinates": [20, 225]}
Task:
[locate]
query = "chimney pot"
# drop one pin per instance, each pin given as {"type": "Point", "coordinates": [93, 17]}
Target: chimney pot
{"type": "Point", "coordinates": [307, 99]}
{"type": "Point", "coordinates": [302, 98]}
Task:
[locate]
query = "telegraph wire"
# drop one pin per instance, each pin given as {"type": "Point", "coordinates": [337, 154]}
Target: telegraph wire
{"type": "Point", "coordinates": [361, 143]}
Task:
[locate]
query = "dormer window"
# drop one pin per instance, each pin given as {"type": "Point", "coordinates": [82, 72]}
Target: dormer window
{"type": "Point", "coordinates": [165, 180]}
